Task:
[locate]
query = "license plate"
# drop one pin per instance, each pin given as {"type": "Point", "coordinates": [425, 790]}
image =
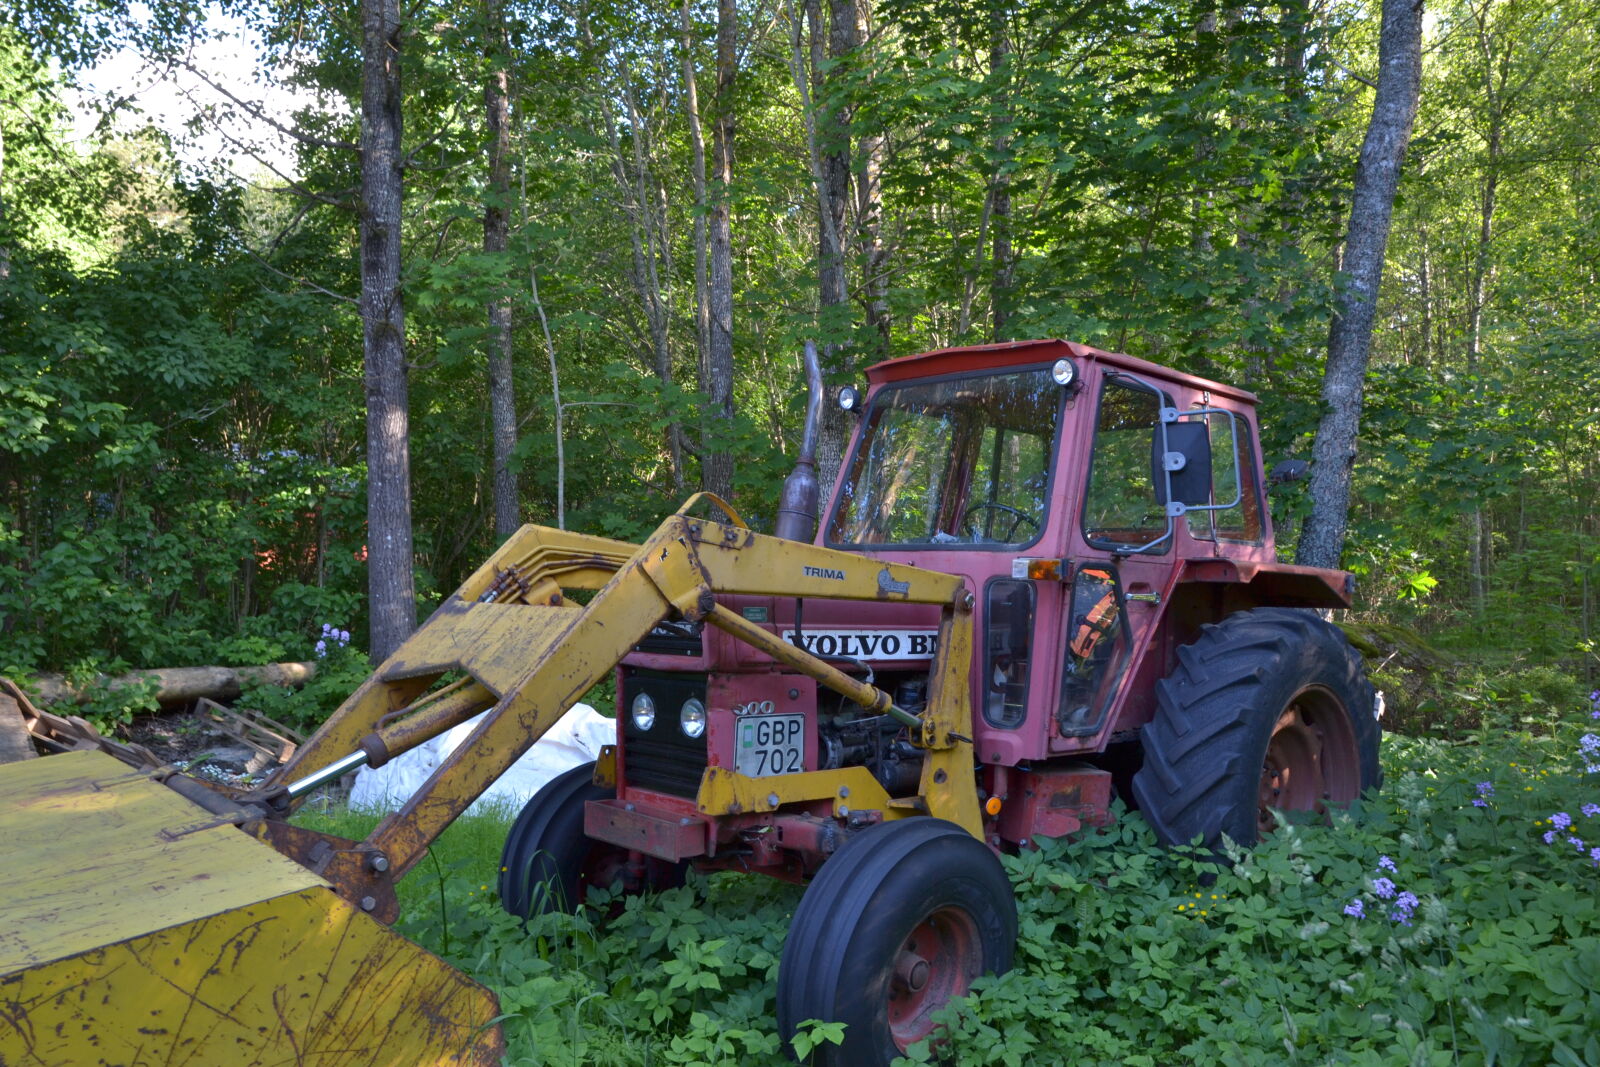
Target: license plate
{"type": "Point", "coordinates": [770, 744]}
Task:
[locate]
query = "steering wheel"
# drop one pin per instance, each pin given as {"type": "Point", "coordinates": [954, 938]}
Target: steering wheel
{"type": "Point", "coordinates": [1018, 517]}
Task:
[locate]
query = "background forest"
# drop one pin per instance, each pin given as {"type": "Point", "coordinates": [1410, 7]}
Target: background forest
{"type": "Point", "coordinates": [621, 220]}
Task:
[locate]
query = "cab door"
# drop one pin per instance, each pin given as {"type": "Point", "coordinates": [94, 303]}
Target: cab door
{"type": "Point", "coordinates": [1122, 554]}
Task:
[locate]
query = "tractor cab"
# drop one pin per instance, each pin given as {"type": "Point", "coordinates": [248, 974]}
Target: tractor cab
{"type": "Point", "coordinates": [1067, 486]}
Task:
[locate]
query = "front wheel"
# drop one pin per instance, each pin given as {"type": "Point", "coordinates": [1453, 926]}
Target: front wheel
{"type": "Point", "coordinates": [1269, 709]}
{"type": "Point", "coordinates": [898, 923]}
{"type": "Point", "coordinates": [550, 864]}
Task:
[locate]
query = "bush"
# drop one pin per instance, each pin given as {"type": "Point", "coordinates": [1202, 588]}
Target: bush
{"type": "Point", "coordinates": [1434, 924]}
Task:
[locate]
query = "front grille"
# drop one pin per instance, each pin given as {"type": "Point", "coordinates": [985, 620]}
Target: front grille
{"type": "Point", "coordinates": [662, 758]}
{"type": "Point", "coordinates": [672, 639]}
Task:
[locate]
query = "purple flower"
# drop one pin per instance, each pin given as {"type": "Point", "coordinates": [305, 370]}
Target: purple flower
{"type": "Point", "coordinates": [1591, 810]}
{"type": "Point", "coordinates": [1479, 802]}
{"type": "Point", "coordinates": [1485, 791]}
{"type": "Point", "coordinates": [1383, 887]}
{"type": "Point", "coordinates": [1549, 837]}
{"type": "Point", "coordinates": [322, 648]}
{"type": "Point", "coordinates": [1594, 855]}
{"type": "Point", "coordinates": [1576, 842]}
{"type": "Point", "coordinates": [1385, 864]}
{"type": "Point", "coordinates": [326, 630]}
{"type": "Point", "coordinates": [1404, 905]}
{"type": "Point", "coordinates": [1561, 820]}
{"type": "Point", "coordinates": [1357, 910]}
{"type": "Point", "coordinates": [344, 637]}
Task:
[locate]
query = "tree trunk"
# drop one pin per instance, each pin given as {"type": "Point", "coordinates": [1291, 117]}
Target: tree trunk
{"type": "Point", "coordinates": [496, 243]}
{"type": "Point", "coordinates": [1478, 523]}
{"type": "Point", "coordinates": [389, 578]}
{"type": "Point", "coordinates": [1000, 194]}
{"type": "Point", "coordinates": [173, 685]}
{"type": "Point", "coordinates": [833, 288]}
{"type": "Point", "coordinates": [697, 142]}
{"type": "Point", "coordinates": [869, 210]}
{"type": "Point", "coordinates": [1383, 151]}
{"type": "Point", "coordinates": [833, 150]}
{"type": "Point", "coordinates": [716, 474]}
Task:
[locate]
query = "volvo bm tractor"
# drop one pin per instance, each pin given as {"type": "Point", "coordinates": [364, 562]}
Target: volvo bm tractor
{"type": "Point", "coordinates": [1045, 577]}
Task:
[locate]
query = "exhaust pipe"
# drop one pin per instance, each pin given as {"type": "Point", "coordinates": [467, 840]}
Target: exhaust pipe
{"type": "Point", "coordinates": [797, 509]}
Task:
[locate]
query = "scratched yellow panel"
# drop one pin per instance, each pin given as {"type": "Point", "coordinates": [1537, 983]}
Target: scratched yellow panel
{"type": "Point", "coordinates": [92, 853]}
{"type": "Point", "coordinates": [303, 979]}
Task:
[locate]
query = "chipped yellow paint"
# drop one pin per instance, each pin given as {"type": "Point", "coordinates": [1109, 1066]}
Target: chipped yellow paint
{"type": "Point", "coordinates": [125, 940]}
{"type": "Point", "coordinates": [722, 792]}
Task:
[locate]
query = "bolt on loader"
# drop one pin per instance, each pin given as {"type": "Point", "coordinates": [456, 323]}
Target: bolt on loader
{"type": "Point", "coordinates": [1045, 577]}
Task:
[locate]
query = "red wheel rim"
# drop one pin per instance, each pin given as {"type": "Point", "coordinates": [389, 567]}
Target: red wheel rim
{"type": "Point", "coordinates": [937, 962]}
{"type": "Point", "coordinates": [1311, 758]}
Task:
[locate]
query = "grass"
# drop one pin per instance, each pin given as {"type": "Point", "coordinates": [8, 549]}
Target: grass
{"type": "Point", "coordinates": [1419, 928]}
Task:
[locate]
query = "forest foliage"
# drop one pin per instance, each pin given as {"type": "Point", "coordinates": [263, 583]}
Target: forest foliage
{"type": "Point", "coordinates": [182, 436]}
{"type": "Point", "coordinates": [1450, 920]}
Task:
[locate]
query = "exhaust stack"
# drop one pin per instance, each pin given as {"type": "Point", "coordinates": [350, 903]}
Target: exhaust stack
{"type": "Point", "coordinates": [797, 509]}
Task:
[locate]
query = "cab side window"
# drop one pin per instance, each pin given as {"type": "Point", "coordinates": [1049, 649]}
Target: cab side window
{"type": "Point", "coordinates": [1230, 477]}
{"type": "Point", "coordinates": [1120, 509]}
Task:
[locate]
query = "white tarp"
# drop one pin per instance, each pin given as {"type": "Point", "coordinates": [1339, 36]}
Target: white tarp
{"type": "Point", "coordinates": [575, 738]}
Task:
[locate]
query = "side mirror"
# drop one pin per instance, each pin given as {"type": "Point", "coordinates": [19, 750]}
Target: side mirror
{"type": "Point", "coordinates": [1187, 457]}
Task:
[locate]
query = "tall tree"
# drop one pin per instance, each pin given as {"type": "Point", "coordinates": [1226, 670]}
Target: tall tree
{"type": "Point", "coordinates": [496, 242]}
{"type": "Point", "coordinates": [390, 583]}
{"type": "Point", "coordinates": [1394, 110]}
{"type": "Point", "coordinates": [717, 458]}
{"type": "Point", "coordinates": [697, 173]}
{"type": "Point", "coordinates": [869, 161]}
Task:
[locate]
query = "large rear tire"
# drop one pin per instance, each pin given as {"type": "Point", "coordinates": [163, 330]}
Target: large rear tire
{"type": "Point", "coordinates": [897, 923]}
{"type": "Point", "coordinates": [1268, 709]}
{"type": "Point", "coordinates": [550, 864]}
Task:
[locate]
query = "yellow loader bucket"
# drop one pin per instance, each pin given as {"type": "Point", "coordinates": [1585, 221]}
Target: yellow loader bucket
{"type": "Point", "coordinates": [136, 928]}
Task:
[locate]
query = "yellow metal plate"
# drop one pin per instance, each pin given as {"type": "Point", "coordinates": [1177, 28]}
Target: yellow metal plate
{"type": "Point", "coordinates": [128, 936]}
{"type": "Point", "coordinates": [302, 980]}
{"type": "Point", "coordinates": [95, 853]}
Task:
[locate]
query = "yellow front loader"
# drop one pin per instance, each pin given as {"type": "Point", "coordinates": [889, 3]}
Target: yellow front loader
{"type": "Point", "coordinates": [149, 918]}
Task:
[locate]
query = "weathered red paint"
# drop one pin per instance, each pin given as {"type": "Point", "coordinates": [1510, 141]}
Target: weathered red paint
{"type": "Point", "coordinates": [1053, 801]}
{"type": "Point", "coordinates": [627, 826]}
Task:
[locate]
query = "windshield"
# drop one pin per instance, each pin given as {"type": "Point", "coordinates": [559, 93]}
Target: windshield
{"type": "Point", "coordinates": [964, 460]}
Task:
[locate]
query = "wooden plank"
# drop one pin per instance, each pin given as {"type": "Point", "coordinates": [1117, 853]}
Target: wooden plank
{"type": "Point", "coordinates": [15, 741]}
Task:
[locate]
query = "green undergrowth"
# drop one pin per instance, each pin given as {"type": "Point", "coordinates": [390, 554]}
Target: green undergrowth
{"type": "Point", "coordinates": [1420, 928]}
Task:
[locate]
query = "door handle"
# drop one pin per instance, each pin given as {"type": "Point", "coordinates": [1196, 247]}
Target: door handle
{"type": "Point", "coordinates": [1148, 598]}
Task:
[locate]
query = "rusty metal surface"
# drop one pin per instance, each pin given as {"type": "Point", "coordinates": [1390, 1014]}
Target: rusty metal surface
{"type": "Point", "coordinates": [1054, 802]}
{"type": "Point", "coordinates": [359, 873]}
{"type": "Point", "coordinates": [1280, 584]}
{"type": "Point", "coordinates": [627, 826]}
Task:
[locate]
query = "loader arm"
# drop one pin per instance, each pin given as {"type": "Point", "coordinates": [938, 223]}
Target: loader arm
{"type": "Point", "coordinates": [528, 655]}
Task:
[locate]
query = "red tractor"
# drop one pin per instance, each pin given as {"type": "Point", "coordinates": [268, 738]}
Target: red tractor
{"type": "Point", "coordinates": [1046, 575]}
{"type": "Point", "coordinates": [1132, 632]}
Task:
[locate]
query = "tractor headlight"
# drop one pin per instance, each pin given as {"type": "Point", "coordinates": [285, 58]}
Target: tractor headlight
{"type": "Point", "coordinates": [1064, 372]}
{"type": "Point", "coordinates": [692, 717]}
{"type": "Point", "coordinates": [849, 398]}
{"type": "Point", "coordinates": [644, 711]}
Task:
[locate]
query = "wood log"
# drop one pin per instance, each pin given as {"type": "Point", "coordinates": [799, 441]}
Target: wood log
{"type": "Point", "coordinates": [174, 685]}
{"type": "Point", "coordinates": [15, 741]}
